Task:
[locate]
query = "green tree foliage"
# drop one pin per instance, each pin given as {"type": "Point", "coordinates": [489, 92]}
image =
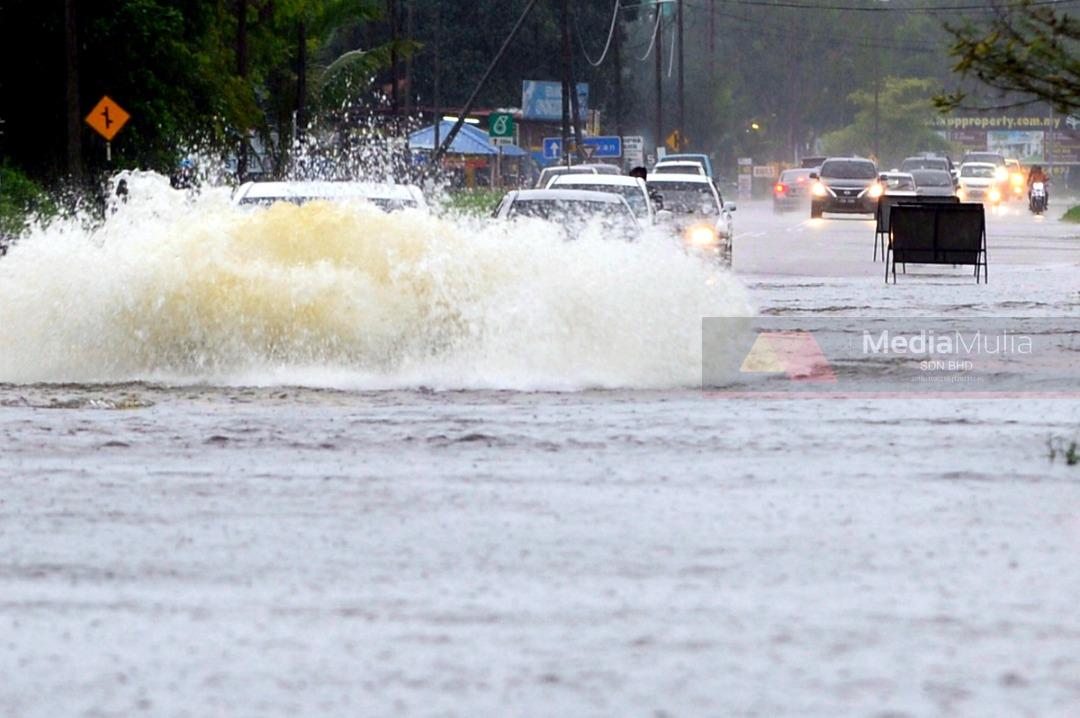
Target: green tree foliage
{"type": "Point", "coordinates": [1028, 50]}
{"type": "Point", "coordinates": [904, 107]}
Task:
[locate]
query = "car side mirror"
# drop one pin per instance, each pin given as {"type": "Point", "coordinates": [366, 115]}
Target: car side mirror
{"type": "Point", "coordinates": [730, 206]}
{"type": "Point", "coordinates": [665, 216]}
{"type": "Point", "coordinates": [814, 176]}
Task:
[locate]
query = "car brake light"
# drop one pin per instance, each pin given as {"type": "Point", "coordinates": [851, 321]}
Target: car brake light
{"type": "Point", "coordinates": [781, 188]}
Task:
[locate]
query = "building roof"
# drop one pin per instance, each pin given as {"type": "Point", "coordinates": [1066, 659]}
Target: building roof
{"type": "Point", "coordinates": [469, 141]}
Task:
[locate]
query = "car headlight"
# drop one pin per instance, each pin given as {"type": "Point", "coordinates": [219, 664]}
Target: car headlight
{"type": "Point", "coordinates": [994, 195]}
{"type": "Point", "coordinates": [1017, 179]}
{"type": "Point", "coordinates": [1001, 174]}
{"type": "Point", "coordinates": [701, 235]}
{"type": "Point", "coordinates": [819, 190]}
{"type": "Point", "coordinates": [876, 190]}
{"type": "Point", "coordinates": [961, 193]}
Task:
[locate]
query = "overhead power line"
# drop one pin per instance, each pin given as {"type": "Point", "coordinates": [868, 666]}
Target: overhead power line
{"type": "Point", "coordinates": [607, 45]}
{"type": "Point", "coordinates": [881, 8]}
{"type": "Point", "coordinates": [652, 42]}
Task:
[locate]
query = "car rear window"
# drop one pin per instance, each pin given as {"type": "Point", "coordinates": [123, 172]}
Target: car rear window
{"type": "Point", "coordinates": [561, 208]}
{"type": "Point", "coordinates": [924, 163]}
{"type": "Point", "coordinates": [633, 195]}
{"type": "Point", "coordinates": [932, 178]}
{"type": "Point", "coordinates": [848, 169]}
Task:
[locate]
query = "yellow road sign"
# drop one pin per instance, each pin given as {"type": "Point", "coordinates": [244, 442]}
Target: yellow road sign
{"type": "Point", "coordinates": [107, 118]}
{"type": "Point", "coordinates": [675, 141]}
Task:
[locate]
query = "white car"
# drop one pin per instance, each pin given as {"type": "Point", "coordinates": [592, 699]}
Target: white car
{"type": "Point", "coordinates": [548, 173]}
{"type": "Point", "coordinates": [678, 167]}
{"type": "Point", "coordinates": [897, 184]}
{"type": "Point", "coordinates": [979, 183]}
{"type": "Point", "coordinates": [385, 196]}
{"type": "Point", "coordinates": [574, 210]}
{"type": "Point", "coordinates": [632, 189]}
{"type": "Point", "coordinates": [699, 213]}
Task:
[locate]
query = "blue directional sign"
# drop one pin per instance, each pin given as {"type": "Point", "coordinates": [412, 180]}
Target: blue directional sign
{"type": "Point", "coordinates": [594, 147]}
{"type": "Point", "coordinates": [552, 148]}
{"type": "Point", "coordinates": [603, 147]}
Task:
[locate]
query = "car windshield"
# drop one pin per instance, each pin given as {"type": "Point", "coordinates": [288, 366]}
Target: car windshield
{"type": "Point", "coordinates": [633, 195]}
{"type": "Point", "coordinates": [931, 178]}
{"type": "Point", "coordinates": [983, 157]}
{"type": "Point", "coordinates": [848, 169]}
{"type": "Point", "coordinates": [680, 169]}
{"type": "Point", "coordinates": [924, 163]}
{"type": "Point", "coordinates": [976, 171]}
{"type": "Point", "coordinates": [687, 197]}
{"type": "Point", "coordinates": [899, 184]}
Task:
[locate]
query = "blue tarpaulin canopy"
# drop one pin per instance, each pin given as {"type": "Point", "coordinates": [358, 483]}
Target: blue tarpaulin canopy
{"type": "Point", "coordinates": [469, 141]}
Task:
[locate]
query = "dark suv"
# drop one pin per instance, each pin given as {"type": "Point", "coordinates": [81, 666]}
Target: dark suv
{"type": "Point", "coordinates": [845, 184]}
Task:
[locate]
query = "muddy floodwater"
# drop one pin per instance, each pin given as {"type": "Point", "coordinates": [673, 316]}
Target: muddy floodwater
{"type": "Point", "coordinates": [208, 507]}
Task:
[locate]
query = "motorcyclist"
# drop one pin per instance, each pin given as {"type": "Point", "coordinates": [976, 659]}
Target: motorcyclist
{"type": "Point", "coordinates": [1037, 175]}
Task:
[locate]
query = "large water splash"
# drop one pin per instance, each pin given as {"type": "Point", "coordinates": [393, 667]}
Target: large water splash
{"type": "Point", "coordinates": [180, 289]}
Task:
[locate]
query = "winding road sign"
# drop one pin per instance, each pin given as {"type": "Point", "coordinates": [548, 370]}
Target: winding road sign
{"type": "Point", "coordinates": [107, 118]}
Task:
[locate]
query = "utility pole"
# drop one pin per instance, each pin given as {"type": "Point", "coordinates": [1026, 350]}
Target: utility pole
{"type": "Point", "coordinates": [659, 49]}
{"type": "Point", "coordinates": [437, 94]}
{"type": "Point", "coordinates": [408, 58]}
{"type": "Point", "coordinates": [712, 46]}
{"type": "Point", "coordinates": [616, 50]}
{"type": "Point", "coordinates": [682, 85]}
{"type": "Point", "coordinates": [393, 13]}
{"type": "Point", "coordinates": [564, 22]}
{"type": "Point", "coordinates": [74, 127]}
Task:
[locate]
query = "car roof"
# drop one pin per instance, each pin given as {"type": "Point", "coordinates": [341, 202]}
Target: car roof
{"type": "Point", "coordinates": [677, 163]}
{"type": "Point", "coordinates": [848, 159]}
{"type": "Point", "coordinates": [328, 190]}
{"type": "Point", "coordinates": [606, 180]}
{"type": "Point", "coordinates": [582, 195]}
{"type": "Point", "coordinates": [977, 164]}
{"type": "Point", "coordinates": [901, 175]}
{"type": "Point", "coordinates": [676, 177]}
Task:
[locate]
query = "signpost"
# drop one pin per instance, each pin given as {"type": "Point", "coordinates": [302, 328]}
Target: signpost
{"type": "Point", "coordinates": [600, 148]}
{"type": "Point", "coordinates": [107, 118]}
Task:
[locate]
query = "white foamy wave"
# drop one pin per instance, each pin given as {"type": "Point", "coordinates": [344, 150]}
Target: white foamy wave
{"type": "Point", "coordinates": [195, 290]}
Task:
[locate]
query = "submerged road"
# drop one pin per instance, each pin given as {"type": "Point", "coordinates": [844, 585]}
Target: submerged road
{"type": "Point", "coordinates": [281, 551]}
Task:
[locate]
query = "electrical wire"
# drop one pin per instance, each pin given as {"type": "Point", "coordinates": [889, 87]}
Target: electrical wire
{"type": "Point", "coordinates": [656, 29]}
{"type": "Point", "coordinates": [610, 37]}
{"type": "Point", "coordinates": [671, 59]}
{"type": "Point", "coordinates": [887, 9]}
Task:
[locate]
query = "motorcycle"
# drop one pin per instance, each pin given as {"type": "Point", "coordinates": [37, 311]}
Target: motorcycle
{"type": "Point", "coordinates": [1037, 198]}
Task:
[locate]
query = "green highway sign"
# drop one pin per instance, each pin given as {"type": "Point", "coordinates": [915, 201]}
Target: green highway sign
{"type": "Point", "coordinates": [501, 124]}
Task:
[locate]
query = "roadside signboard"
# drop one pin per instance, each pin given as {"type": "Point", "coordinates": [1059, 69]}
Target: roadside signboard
{"type": "Point", "coordinates": [543, 100]}
{"type": "Point", "coordinates": [107, 118]}
{"type": "Point", "coordinates": [746, 177]}
{"type": "Point", "coordinates": [634, 150]}
{"type": "Point", "coordinates": [599, 148]}
{"type": "Point", "coordinates": [500, 124]}
{"type": "Point", "coordinates": [552, 148]}
{"type": "Point", "coordinates": [605, 147]}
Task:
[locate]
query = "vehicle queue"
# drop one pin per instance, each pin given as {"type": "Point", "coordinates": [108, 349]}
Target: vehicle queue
{"type": "Point", "coordinates": [852, 185]}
